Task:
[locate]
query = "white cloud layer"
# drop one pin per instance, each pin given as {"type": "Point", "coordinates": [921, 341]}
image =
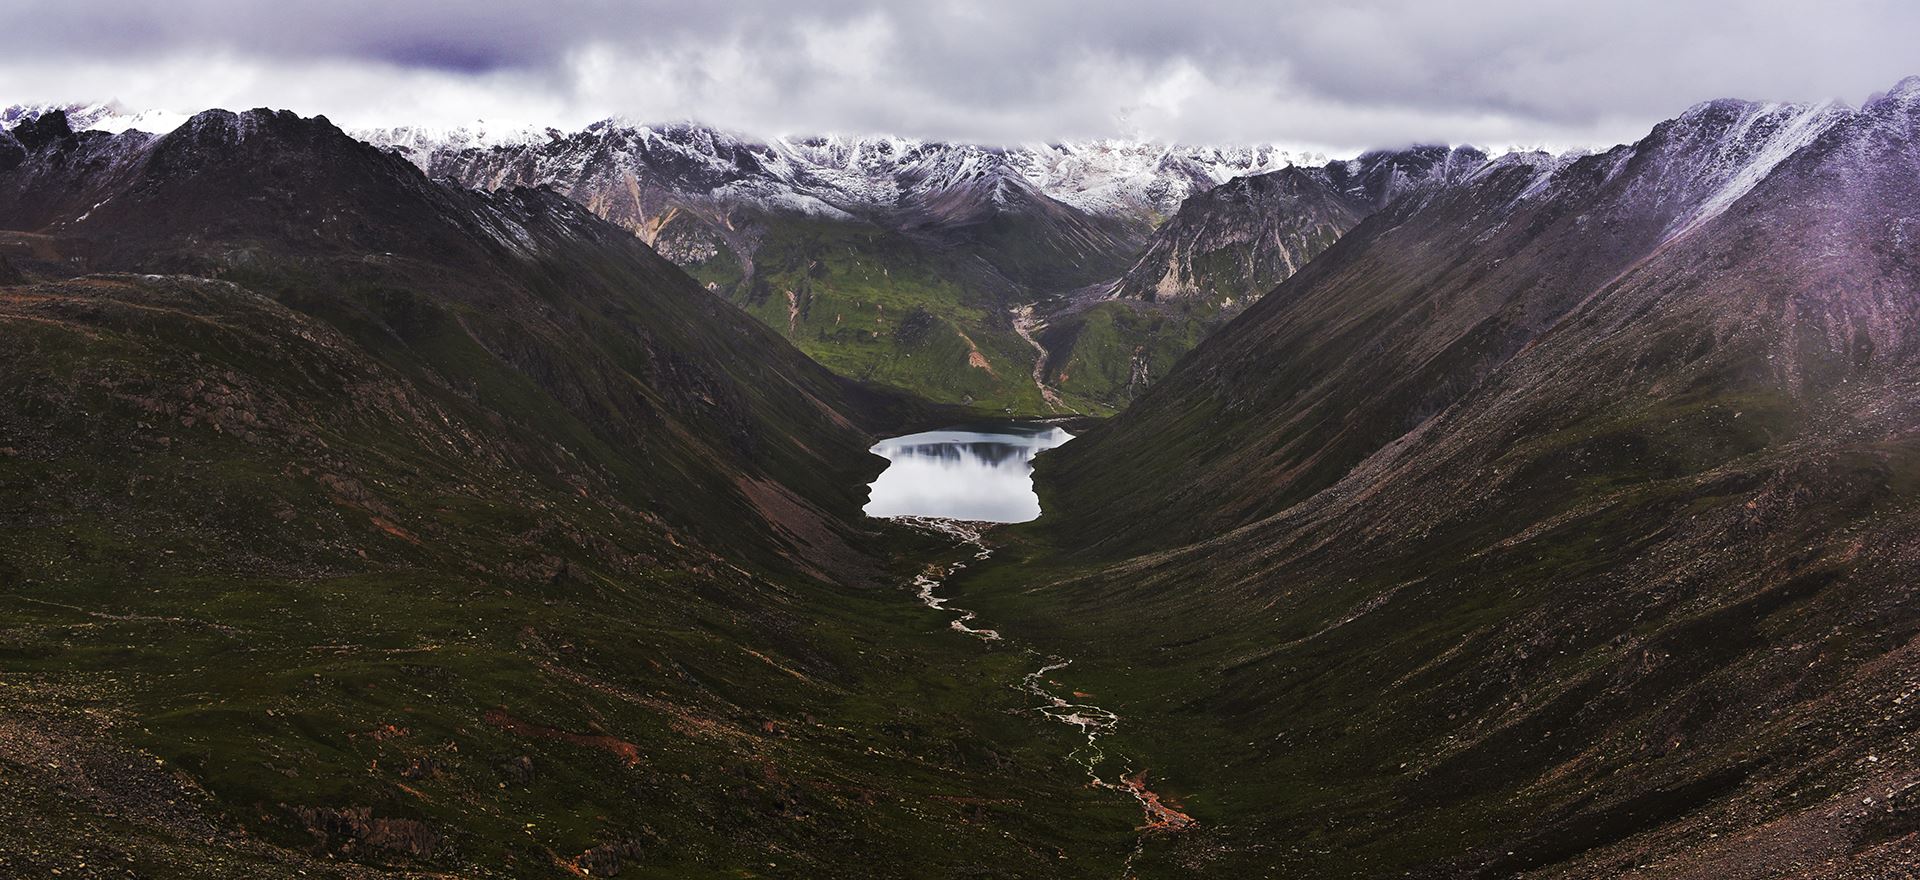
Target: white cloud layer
{"type": "Point", "coordinates": [1333, 76]}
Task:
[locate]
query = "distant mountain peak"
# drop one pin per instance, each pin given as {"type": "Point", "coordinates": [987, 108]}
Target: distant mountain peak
{"type": "Point", "coordinates": [108, 116]}
{"type": "Point", "coordinates": [1102, 176]}
{"type": "Point", "coordinates": [43, 129]}
{"type": "Point", "coordinates": [1228, 245]}
{"type": "Point", "coordinates": [1905, 94]}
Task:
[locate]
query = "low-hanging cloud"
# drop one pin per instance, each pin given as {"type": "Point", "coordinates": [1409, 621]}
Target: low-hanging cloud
{"type": "Point", "coordinates": [1319, 74]}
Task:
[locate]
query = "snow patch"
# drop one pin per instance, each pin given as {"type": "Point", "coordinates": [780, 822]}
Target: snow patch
{"type": "Point", "coordinates": [1764, 136]}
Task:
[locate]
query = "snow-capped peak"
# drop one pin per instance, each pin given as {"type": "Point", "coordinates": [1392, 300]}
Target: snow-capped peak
{"type": "Point", "coordinates": [1738, 158]}
{"type": "Point", "coordinates": [107, 116]}
{"type": "Point", "coordinates": [1104, 176]}
{"type": "Point", "coordinates": [478, 134]}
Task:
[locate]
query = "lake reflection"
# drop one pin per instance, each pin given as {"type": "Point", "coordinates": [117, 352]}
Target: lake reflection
{"type": "Point", "coordinates": [983, 474]}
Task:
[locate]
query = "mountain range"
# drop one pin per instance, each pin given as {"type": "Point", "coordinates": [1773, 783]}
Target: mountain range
{"type": "Point", "coordinates": [948, 270]}
{"type": "Point", "coordinates": [416, 508]}
{"type": "Point", "coordinates": [889, 259]}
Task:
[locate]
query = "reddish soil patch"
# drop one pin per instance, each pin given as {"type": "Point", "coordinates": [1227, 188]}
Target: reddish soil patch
{"type": "Point", "coordinates": [627, 752]}
{"type": "Point", "coordinates": [1161, 815]}
{"type": "Point", "coordinates": [388, 526]}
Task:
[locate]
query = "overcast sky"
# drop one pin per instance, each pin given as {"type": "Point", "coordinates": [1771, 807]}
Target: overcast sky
{"type": "Point", "coordinates": [1327, 74]}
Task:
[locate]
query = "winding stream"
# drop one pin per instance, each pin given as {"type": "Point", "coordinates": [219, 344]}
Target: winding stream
{"type": "Point", "coordinates": [1093, 722]}
{"type": "Point", "coordinates": [956, 483]}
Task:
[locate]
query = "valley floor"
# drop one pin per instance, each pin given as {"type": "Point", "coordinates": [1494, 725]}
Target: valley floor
{"type": "Point", "coordinates": [922, 751]}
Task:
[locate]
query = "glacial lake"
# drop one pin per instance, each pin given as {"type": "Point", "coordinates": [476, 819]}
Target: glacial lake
{"type": "Point", "coordinates": [980, 473]}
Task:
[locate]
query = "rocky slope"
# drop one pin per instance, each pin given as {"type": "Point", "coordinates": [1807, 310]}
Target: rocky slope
{"type": "Point", "coordinates": [1556, 524]}
{"type": "Point", "coordinates": [1224, 248]}
{"type": "Point", "coordinates": [1228, 245]}
{"type": "Point", "coordinates": [359, 525]}
{"type": "Point", "coordinates": [1231, 243]}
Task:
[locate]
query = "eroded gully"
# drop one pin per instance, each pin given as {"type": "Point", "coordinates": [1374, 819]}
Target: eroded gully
{"type": "Point", "coordinates": [1093, 722]}
{"type": "Point", "coordinates": [1024, 324]}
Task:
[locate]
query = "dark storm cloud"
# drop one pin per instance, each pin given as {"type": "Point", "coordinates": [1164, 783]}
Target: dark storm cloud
{"type": "Point", "coordinates": [1326, 72]}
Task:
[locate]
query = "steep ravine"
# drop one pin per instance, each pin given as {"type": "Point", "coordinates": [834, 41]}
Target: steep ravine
{"type": "Point", "coordinates": [1094, 722]}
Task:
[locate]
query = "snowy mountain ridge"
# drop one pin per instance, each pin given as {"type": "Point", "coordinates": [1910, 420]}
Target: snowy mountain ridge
{"type": "Point", "coordinates": [1103, 176]}
{"type": "Point", "coordinates": [1140, 179]}
{"type": "Point", "coordinates": [107, 116]}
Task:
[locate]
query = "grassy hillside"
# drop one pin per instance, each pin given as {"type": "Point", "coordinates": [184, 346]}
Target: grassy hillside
{"type": "Point", "coordinates": [465, 537]}
{"type": "Point", "coordinates": [264, 585]}
{"type": "Point", "coordinates": [878, 307]}
{"type": "Point", "coordinates": [1105, 355]}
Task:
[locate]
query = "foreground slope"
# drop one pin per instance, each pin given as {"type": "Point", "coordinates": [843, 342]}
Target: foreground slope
{"type": "Point", "coordinates": [357, 525]}
{"type": "Point", "coordinates": [1562, 524]}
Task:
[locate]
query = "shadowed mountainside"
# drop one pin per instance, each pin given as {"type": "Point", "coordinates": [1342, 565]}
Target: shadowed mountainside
{"type": "Point", "coordinates": [358, 525]}
{"type": "Point", "coordinates": [1559, 524]}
